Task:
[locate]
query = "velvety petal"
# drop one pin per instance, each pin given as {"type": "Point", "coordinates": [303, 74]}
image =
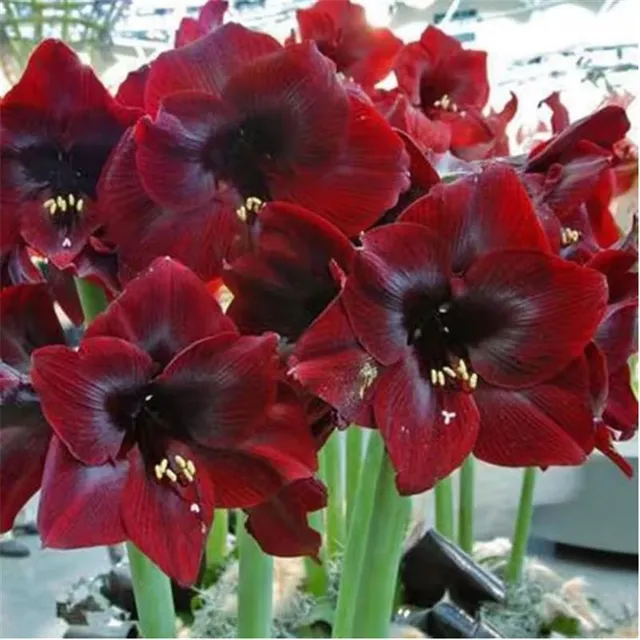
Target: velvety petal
{"type": "Point", "coordinates": [363, 182]}
{"type": "Point", "coordinates": [163, 524]}
{"type": "Point", "coordinates": [24, 440]}
{"type": "Point", "coordinates": [548, 424]}
{"type": "Point", "coordinates": [329, 361]}
{"type": "Point", "coordinates": [376, 50]}
{"type": "Point", "coordinates": [617, 334]}
{"type": "Point", "coordinates": [76, 388]}
{"type": "Point", "coordinates": [190, 68]}
{"type": "Point", "coordinates": [284, 282]}
{"type": "Point", "coordinates": [560, 119]}
{"type": "Point", "coordinates": [280, 525]}
{"type": "Point", "coordinates": [478, 214]}
{"type": "Point", "coordinates": [621, 412]}
{"type": "Point", "coordinates": [604, 443]}
{"type": "Point", "coordinates": [131, 90]}
{"type": "Point", "coordinates": [428, 432]}
{"type": "Point", "coordinates": [395, 260]}
{"type": "Point", "coordinates": [219, 388]}
{"type": "Point", "coordinates": [27, 321]}
{"type": "Point", "coordinates": [162, 311]}
{"type": "Point", "coordinates": [211, 16]}
{"type": "Point", "coordinates": [549, 311]}
{"type": "Point", "coordinates": [598, 378]}
{"type": "Point", "coordinates": [80, 504]}
{"type": "Point", "coordinates": [618, 266]}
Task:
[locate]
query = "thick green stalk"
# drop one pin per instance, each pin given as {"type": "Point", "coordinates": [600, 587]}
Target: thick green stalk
{"type": "Point", "coordinates": [354, 555]}
{"type": "Point", "coordinates": [523, 524]}
{"type": "Point", "coordinates": [465, 509]}
{"type": "Point", "coordinates": [151, 587]}
{"type": "Point", "coordinates": [154, 600]}
{"type": "Point", "coordinates": [217, 541]}
{"type": "Point", "coordinates": [444, 508]}
{"type": "Point", "coordinates": [255, 586]}
{"type": "Point", "coordinates": [376, 591]}
{"type": "Point", "coordinates": [92, 299]}
{"type": "Point", "coordinates": [331, 473]}
{"type": "Point", "coordinates": [355, 455]}
{"type": "Point", "coordinates": [317, 580]}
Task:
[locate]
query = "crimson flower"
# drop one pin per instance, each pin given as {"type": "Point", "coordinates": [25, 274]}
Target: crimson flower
{"type": "Point", "coordinates": [341, 32]}
{"type": "Point", "coordinates": [58, 127]}
{"type": "Point", "coordinates": [27, 321]}
{"type": "Point", "coordinates": [163, 413]}
{"type": "Point", "coordinates": [449, 342]}
{"type": "Point", "coordinates": [210, 16]}
{"type": "Point", "coordinates": [131, 90]}
{"type": "Point", "coordinates": [238, 113]}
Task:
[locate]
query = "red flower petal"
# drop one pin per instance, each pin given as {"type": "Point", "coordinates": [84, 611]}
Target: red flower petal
{"type": "Point", "coordinates": [363, 182]}
{"type": "Point", "coordinates": [604, 443]}
{"type": "Point", "coordinates": [428, 433]}
{"type": "Point", "coordinates": [560, 119]}
{"type": "Point", "coordinates": [162, 311]}
{"type": "Point", "coordinates": [75, 387]}
{"type": "Point", "coordinates": [621, 412]}
{"type": "Point", "coordinates": [617, 335]}
{"type": "Point", "coordinates": [478, 214]}
{"type": "Point", "coordinates": [280, 525]}
{"type": "Point", "coordinates": [207, 64]}
{"type": "Point", "coordinates": [548, 424]}
{"type": "Point", "coordinates": [79, 504]}
{"type": "Point", "coordinates": [211, 16]}
{"type": "Point", "coordinates": [552, 309]}
{"type": "Point", "coordinates": [395, 260]}
{"type": "Point", "coordinates": [165, 526]}
{"type": "Point", "coordinates": [329, 361]}
{"type": "Point", "coordinates": [131, 90]}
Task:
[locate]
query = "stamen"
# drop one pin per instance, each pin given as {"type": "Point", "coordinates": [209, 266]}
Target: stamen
{"type": "Point", "coordinates": [187, 475]}
{"type": "Point", "coordinates": [473, 381]}
{"type": "Point", "coordinates": [441, 380]}
{"type": "Point", "coordinates": [61, 203]}
{"type": "Point", "coordinates": [164, 464]}
{"type": "Point", "coordinates": [368, 374]}
{"type": "Point", "coordinates": [180, 461]}
{"type": "Point", "coordinates": [159, 471]}
{"type": "Point", "coordinates": [53, 208]}
{"type": "Point", "coordinates": [434, 377]}
{"type": "Point", "coordinates": [171, 475]}
{"type": "Point", "coordinates": [191, 468]}
{"type": "Point", "coordinates": [79, 205]}
{"type": "Point", "coordinates": [72, 200]}
{"type": "Point", "coordinates": [47, 203]}
{"type": "Point", "coordinates": [569, 236]}
{"type": "Point", "coordinates": [462, 369]}
{"type": "Point", "coordinates": [450, 372]}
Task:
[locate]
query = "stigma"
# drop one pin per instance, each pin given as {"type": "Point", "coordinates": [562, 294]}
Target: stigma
{"type": "Point", "coordinates": [455, 374]}
{"type": "Point", "coordinates": [61, 204]}
{"type": "Point", "coordinates": [251, 205]}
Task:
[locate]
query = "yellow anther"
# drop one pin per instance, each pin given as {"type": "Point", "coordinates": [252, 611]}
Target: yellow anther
{"type": "Point", "coordinates": [47, 203]}
{"type": "Point", "coordinates": [253, 204]}
{"type": "Point", "coordinates": [79, 205]}
{"type": "Point", "coordinates": [52, 209]}
{"type": "Point", "coordinates": [434, 376]}
{"type": "Point", "coordinates": [450, 372]}
{"type": "Point", "coordinates": [180, 461]}
{"type": "Point", "coordinates": [462, 370]}
{"type": "Point", "coordinates": [441, 380]}
{"type": "Point", "coordinates": [368, 374]}
{"type": "Point", "coordinates": [171, 475]}
{"type": "Point", "coordinates": [187, 475]}
{"type": "Point", "coordinates": [191, 468]}
{"type": "Point", "coordinates": [72, 200]}
{"type": "Point", "coordinates": [241, 212]}
{"type": "Point", "coordinates": [164, 464]}
{"type": "Point", "coordinates": [159, 471]}
{"type": "Point", "coordinates": [473, 381]}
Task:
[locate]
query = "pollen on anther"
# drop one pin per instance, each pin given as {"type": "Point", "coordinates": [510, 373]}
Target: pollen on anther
{"type": "Point", "coordinates": [79, 205]}
{"type": "Point", "coordinates": [450, 372]}
{"type": "Point", "coordinates": [191, 468]}
{"type": "Point", "coordinates": [47, 204]}
{"type": "Point", "coordinates": [171, 475]}
{"type": "Point", "coordinates": [441, 380]}
{"type": "Point", "coordinates": [473, 380]}
{"type": "Point", "coordinates": [72, 199]}
{"type": "Point", "coordinates": [180, 461]}
{"type": "Point", "coordinates": [434, 376]}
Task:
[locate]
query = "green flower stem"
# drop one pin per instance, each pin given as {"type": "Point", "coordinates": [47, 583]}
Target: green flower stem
{"type": "Point", "coordinates": [444, 508]}
{"type": "Point", "coordinates": [154, 600]}
{"type": "Point", "coordinates": [356, 542]}
{"type": "Point", "coordinates": [92, 299]}
{"type": "Point", "coordinates": [465, 509]}
{"type": "Point", "coordinates": [331, 473]}
{"type": "Point", "coordinates": [217, 541]}
{"type": "Point", "coordinates": [151, 587]}
{"type": "Point", "coordinates": [255, 586]}
{"type": "Point", "coordinates": [523, 524]}
{"type": "Point", "coordinates": [317, 581]}
{"type": "Point", "coordinates": [355, 454]}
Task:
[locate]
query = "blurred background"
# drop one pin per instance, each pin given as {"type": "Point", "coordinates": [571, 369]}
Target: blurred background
{"type": "Point", "coordinates": [586, 519]}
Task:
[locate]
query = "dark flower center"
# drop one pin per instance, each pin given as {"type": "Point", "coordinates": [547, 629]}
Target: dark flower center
{"type": "Point", "coordinates": [242, 154]}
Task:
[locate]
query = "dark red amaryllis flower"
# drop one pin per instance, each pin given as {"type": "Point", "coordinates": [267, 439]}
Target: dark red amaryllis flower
{"type": "Point", "coordinates": [253, 122]}
{"type": "Point", "coordinates": [289, 274]}
{"type": "Point", "coordinates": [163, 413]}
{"type": "Point", "coordinates": [131, 90]}
{"type": "Point", "coordinates": [58, 127]}
{"type": "Point", "coordinates": [445, 364]}
{"type": "Point", "coordinates": [27, 321]}
{"type": "Point", "coordinates": [210, 16]}
{"type": "Point", "coordinates": [340, 30]}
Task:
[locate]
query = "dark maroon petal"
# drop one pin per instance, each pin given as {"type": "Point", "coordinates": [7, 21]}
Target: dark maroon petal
{"type": "Point", "coordinates": [190, 68]}
{"type": "Point", "coordinates": [27, 321]}
{"type": "Point", "coordinates": [618, 266]}
{"type": "Point", "coordinates": [621, 412]}
{"type": "Point", "coordinates": [395, 260]}
{"type": "Point", "coordinates": [163, 524]}
{"type": "Point", "coordinates": [598, 379]}
{"type": "Point", "coordinates": [24, 440]}
{"type": "Point", "coordinates": [560, 119]}
{"type": "Point", "coordinates": [220, 387]}
{"type": "Point", "coordinates": [162, 311]}
{"type": "Point", "coordinates": [329, 361]}
{"type": "Point", "coordinates": [604, 443]}
{"type": "Point", "coordinates": [548, 424]}
{"type": "Point", "coordinates": [428, 432]}
{"type": "Point", "coordinates": [550, 307]}
{"type": "Point", "coordinates": [617, 334]}
{"type": "Point", "coordinates": [377, 53]}
{"type": "Point", "coordinates": [131, 91]}
{"type": "Point", "coordinates": [362, 182]}
{"type": "Point", "coordinates": [79, 504]}
{"type": "Point", "coordinates": [75, 388]}
{"type": "Point", "coordinates": [63, 289]}
{"type": "Point", "coordinates": [422, 172]}
{"type": "Point", "coordinates": [284, 282]}
{"type": "Point", "coordinates": [478, 214]}
{"type": "Point", "coordinates": [280, 525]}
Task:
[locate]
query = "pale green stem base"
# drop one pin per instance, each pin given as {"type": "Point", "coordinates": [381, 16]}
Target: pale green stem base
{"type": "Point", "coordinates": [444, 508]}
{"type": "Point", "coordinates": [154, 600]}
{"type": "Point", "coordinates": [355, 456]}
{"type": "Point", "coordinates": [93, 299]}
{"type": "Point", "coordinates": [331, 473]}
{"type": "Point", "coordinates": [217, 541]}
{"type": "Point", "coordinates": [523, 524]}
{"type": "Point", "coordinates": [255, 586]}
{"type": "Point", "coordinates": [465, 510]}
{"type": "Point", "coordinates": [317, 581]}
